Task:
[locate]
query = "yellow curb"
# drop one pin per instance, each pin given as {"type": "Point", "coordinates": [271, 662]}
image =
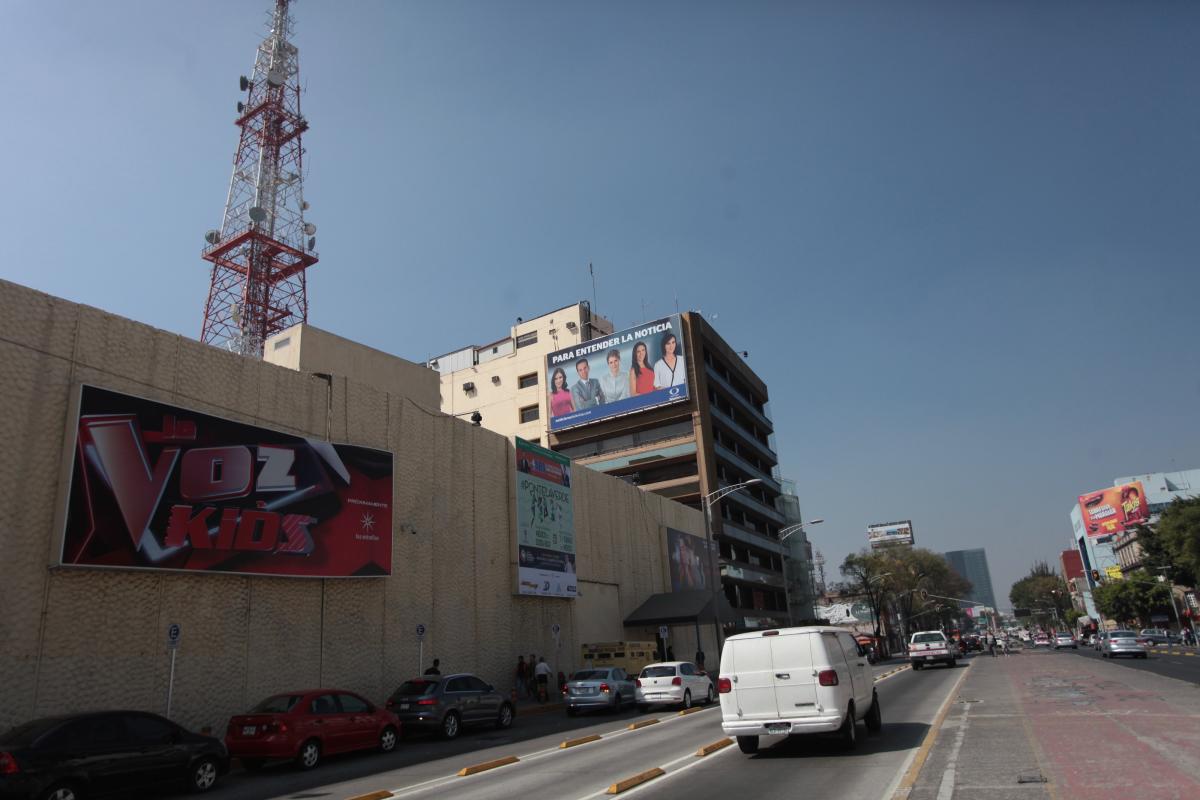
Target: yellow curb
{"type": "Point", "coordinates": [371, 796]}
{"type": "Point", "coordinates": [499, 762]}
{"type": "Point", "coordinates": [641, 723]}
{"type": "Point", "coordinates": [910, 777]}
{"type": "Point", "coordinates": [691, 710]}
{"type": "Point", "coordinates": [714, 747]}
{"type": "Point", "coordinates": [636, 780]}
{"type": "Point", "coordinates": [595, 737]}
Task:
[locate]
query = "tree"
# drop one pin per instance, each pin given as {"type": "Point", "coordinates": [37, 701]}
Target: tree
{"type": "Point", "coordinates": [1042, 589]}
{"type": "Point", "coordinates": [1133, 599]}
{"type": "Point", "coordinates": [864, 572]}
{"type": "Point", "coordinates": [1176, 540]}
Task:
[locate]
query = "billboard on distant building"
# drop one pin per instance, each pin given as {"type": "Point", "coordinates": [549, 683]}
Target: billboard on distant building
{"type": "Point", "coordinates": [545, 523]}
{"type": "Point", "coordinates": [1111, 511]}
{"type": "Point", "coordinates": [886, 534]}
{"type": "Point", "coordinates": [157, 486]}
{"type": "Point", "coordinates": [620, 373]}
{"type": "Point", "coordinates": [692, 561]}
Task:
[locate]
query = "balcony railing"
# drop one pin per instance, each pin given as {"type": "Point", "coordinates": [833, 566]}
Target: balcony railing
{"type": "Point", "coordinates": [733, 570]}
{"type": "Point", "coordinates": [763, 450]}
{"type": "Point", "coordinates": [755, 472]}
{"type": "Point", "coordinates": [740, 398]}
{"type": "Point", "coordinates": [748, 501]}
{"type": "Point", "coordinates": [752, 538]}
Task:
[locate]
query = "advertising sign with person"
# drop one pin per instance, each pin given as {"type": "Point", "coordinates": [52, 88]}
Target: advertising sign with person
{"type": "Point", "coordinates": [545, 523]}
{"type": "Point", "coordinates": [691, 561]}
{"type": "Point", "coordinates": [1111, 511]}
{"type": "Point", "coordinates": [621, 373]}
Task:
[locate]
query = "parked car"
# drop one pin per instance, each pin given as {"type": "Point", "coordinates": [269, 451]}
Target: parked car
{"type": "Point", "coordinates": [795, 681]}
{"type": "Point", "coordinates": [931, 647]}
{"type": "Point", "coordinates": [308, 725]}
{"type": "Point", "coordinates": [1158, 636]}
{"type": "Point", "coordinates": [608, 688]}
{"type": "Point", "coordinates": [448, 703]}
{"type": "Point", "coordinates": [1065, 640]}
{"type": "Point", "coordinates": [674, 682]}
{"type": "Point", "coordinates": [1041, 640]}
{"type": "Point", "coordinates": [972, 644]}
{"type": "Point", "coordinates": [1122, 643]}
{"type": "Point", "coordinates": [106, 753]}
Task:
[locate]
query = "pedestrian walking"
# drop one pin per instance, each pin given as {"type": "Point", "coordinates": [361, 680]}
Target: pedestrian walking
{"type": "Point", "coordinates": [434, 669]}
{"type": "Point", "coordinates": [992, 644]}
{"type": "Point", "coordinates": [531, 688]}
{"type": "Point", "coordinates": [522, 676]}
{"type": "Point", "coordinates": [543, 672]}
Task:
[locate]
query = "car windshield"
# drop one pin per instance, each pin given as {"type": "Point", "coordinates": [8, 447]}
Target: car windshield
{"type": "Point", "coordinates": [921, 638]}
{"type": "Point", "coordinates": [590, 675]}
{"type": "Point", "coordinates": [279, 704]}
{"type": "Point", "coordinates": [415, 688]}
{"type": "Point", "coordinates": [658, 672]}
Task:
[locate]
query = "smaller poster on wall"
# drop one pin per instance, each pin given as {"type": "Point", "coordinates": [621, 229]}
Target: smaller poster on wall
{"type": "Point", "coordinates": [545, 523]}
{"type": "Point", "coordinates": [692, 561]}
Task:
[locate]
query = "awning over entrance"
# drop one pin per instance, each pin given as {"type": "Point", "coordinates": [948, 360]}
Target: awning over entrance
{"type": "Point", "coordinates": [697, 605]}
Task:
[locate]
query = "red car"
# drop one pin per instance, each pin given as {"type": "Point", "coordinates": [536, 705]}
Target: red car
{"type": "Point", "coordinates": [305, 726]}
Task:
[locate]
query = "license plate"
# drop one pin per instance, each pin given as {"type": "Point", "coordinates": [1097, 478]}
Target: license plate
{"type": "Point", "coordinates": [929, 658]}
{"type": "Point", "coordinates": [404, 706]}
{"type": "Point", "coordinates": [776, 730]}
{"type": "Point", "coordinates": [249, 730]}
{"type": "Point", "coordinates": [585, 690]}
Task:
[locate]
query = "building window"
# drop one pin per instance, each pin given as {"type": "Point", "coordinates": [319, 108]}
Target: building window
{"type": "Point", "coordinates": [525, 381]}
{"type": "Point", "coordinates": [529, 413]}
{"type": "Point", "coordinates": [526, 339]}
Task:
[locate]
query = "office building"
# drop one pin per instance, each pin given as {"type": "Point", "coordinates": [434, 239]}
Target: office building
{"type": "Point", "coordinates": [973, 565]}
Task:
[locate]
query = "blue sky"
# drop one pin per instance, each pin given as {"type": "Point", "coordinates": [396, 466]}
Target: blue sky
{"type": "Point", "coordinates": [959, 240]}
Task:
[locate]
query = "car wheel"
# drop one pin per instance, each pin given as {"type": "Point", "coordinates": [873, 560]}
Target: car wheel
{"type": "Point", "coordinates": [849, 730]}
{"type": "Point", "coordinates": [712, 697]}
{"type": "Point", "coordinates": [953, 663]}
{"type": "Point", "coordinates": [505, 718]}
{"type": "Point", "coordinates": [916, 665]}
{"type": "Point", "coordinates": [252, 764]}
{"type": "Point", "coordinates": [309, 755]}
{"type": "Point", "coordinates": [748, 744]}
{"type": "Point", "coordinates": [687, 698]}
{"type": "Point", "coordinates": [62, 792]}
{"type": "Point", "coordinates": [388, 739]}
{"type": "Point", "coordinates": [874, 718]}
{"type": "Point", "coordinates": [450, 725]}
{"type": "Point", "coordinates": [204, 775]}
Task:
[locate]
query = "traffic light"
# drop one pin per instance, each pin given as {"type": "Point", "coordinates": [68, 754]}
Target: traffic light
{"type": "Point", "coordinates": [1096, 575]}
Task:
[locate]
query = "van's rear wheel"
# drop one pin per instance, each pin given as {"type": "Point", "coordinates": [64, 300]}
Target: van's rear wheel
{"type": "Point", "coordinates": [874, 718]}
{"type": "Point", "coordinates": [849, 731]}
{"type": "Point", "coordinates": [748, 744]}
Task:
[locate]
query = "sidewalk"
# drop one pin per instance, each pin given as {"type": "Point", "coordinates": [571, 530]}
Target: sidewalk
{"type": "Point", "coordinates": [1035, 726]}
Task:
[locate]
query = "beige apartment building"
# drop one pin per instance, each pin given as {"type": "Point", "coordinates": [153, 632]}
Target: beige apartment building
{"type": "Point", "coordinates": [502, 380]}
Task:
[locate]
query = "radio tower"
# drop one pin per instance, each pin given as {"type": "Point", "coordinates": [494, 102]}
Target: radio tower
{"type": "Point", "coordinates": [264, 245]}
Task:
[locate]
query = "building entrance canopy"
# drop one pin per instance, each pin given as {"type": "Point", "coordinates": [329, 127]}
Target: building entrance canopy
{"type": "Point", "coordinates": [696, 605]}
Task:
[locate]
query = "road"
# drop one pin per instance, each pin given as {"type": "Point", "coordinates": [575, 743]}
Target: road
{"type": "Point", "coordinates": [1173, 665]}
{"type": "Point", "coordinates": [426, 768]}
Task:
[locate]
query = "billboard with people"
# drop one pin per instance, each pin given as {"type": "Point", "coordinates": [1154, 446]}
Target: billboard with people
{"type": "Point", "coordinates": [692, 561]}
{"type": "Point", "coordinates": [545, 523]}
{"type": "Point", "coordinates": [1113, 510]}
{"type": "Point", "coordinates": [620, 373]}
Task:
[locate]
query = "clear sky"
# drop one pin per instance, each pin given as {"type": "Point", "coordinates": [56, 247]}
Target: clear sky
{"type": "Point", "coordinates": [959, 240]}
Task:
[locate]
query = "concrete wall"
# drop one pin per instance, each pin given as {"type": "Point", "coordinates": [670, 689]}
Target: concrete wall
{"type": "Point", "coordinates": [74, 639]}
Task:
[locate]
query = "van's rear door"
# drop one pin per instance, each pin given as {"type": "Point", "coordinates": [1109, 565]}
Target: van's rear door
{"type": "Point", "coordinates": [753, 681]}
{"type": "Point", "coordinates": [795, 681]}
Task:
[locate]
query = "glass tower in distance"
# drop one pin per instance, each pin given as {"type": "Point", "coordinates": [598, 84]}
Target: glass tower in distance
{"type": "Point", "coordinates": [973, 565]}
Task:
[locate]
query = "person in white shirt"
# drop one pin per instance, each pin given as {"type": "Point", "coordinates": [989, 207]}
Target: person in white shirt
{"type": "Point", "coordinates": [614, 384]}
{"type": "Point", "coordinates": [542, 673]}
{"type": "Point", "coordinates": [670, 369]}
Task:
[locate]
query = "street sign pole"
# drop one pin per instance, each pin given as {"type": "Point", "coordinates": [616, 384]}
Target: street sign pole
{"type": "Point", "coordinates": [174, 631]}
{"type": "Point", "coordinates": [420, 648]}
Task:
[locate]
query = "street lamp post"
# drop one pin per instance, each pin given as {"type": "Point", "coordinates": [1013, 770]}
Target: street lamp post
{"type": "Point", "coordinates": [1162, 578]}
{"type": "Point", "coordinates": [783, 535]}
{"type": "Point", "coordinates": [707, 503]}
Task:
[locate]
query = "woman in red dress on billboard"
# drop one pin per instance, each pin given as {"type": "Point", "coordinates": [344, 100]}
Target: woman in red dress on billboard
{"type": "Point", "coordinates": [560, 395]}
{"type": "Point", "coordinates": [641, 375]}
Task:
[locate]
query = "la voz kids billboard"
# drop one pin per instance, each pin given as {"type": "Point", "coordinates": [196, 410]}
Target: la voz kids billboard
{"type": "Point", "coordinates": [155, 486]}
{"type": "Point", "coordinates": [627, 371]}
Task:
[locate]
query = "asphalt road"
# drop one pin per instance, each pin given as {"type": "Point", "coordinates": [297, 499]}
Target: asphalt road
{"type": "Point", "coordinates": [425, 768]}
{"type": "Point", "coordinates": [1173, 665]}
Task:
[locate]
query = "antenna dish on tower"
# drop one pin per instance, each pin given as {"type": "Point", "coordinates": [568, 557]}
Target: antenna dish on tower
{"type": "Point", "coordinates": [244, 83]}
{"type": "Point", "coordinates": [257, 213]}
{"type": "Point", "coordinates": [312, 243]}
{"type": "Point", "coordinates": [304, 205]}
{"type": "Point", "coordinates": [241, 106]}
{"type": "Point", "coordinates": [275, 77]}
{"type": "Point", "coordinates": [309, 228]}
{"type": "Point", "coordinates": [212, 237]}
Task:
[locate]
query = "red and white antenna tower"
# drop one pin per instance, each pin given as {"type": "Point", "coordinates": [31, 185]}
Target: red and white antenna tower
{"type": "Point", "coordinates": [264, 245]}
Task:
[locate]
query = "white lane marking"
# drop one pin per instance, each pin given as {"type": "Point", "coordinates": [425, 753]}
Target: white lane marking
{"type": "Point", "coordinates": [434, 783]}
{"type": "Point", "coordinates": [946, 789]}
{"type": "Point", "coordinates": [697, 761]}
{"type": "Point", "coordinates": [912, 753]}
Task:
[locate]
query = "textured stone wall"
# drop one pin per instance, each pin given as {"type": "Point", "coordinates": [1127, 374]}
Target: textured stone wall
{"type": "Point", "coordinates": [74, 639]}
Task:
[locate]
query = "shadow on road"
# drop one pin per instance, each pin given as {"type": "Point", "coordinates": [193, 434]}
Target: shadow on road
{"type": "Point", "coordinates": [894, 736]}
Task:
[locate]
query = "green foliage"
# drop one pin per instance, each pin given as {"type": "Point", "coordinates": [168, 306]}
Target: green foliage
{"type": "Point", "coordinates": [895, 577]}
{"type": "Point", "coordinates": [1175, 542]}
{"type": "Point", "coordinates": [1132, 600]}
{"type": "Point", "coordinates": [1041, 589]}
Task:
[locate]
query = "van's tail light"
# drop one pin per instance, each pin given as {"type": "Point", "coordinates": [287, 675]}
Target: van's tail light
{"type": "Point", "coordinates": [8, 764]}
{"type": "Point", "coordinates": [563, 688]}
{"type": "Point", "coordinates": [724, 685]}
{"type": "Point", "coordinates": [604, 688]}
{"type": "Point", "coordinates": [638, 683]}
{"type": "Point", "coordinates": [275, 727]}
{"type": "Point", "coordinates": [827, 677]}
{"type": "Point", "coordinates": [427, 701]}
{"type": "Point", "coordinates": [677, 681]}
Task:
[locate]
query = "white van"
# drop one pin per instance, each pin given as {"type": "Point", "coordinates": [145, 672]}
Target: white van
{"type": "Point", "coordinates": [795, 680]}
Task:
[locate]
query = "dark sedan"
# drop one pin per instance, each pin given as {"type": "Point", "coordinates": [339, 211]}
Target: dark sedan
{"type": "Point", "coordinates": [105, 753]}
{"type": "Point", "coordinates": [447, 703]}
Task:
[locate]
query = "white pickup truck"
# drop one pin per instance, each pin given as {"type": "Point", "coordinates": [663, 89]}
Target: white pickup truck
{"type": "Point", "coordinates": [931, 647]}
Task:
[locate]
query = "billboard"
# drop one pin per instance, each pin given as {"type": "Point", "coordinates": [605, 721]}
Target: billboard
{"type": "Point", "coordinates": [1111, 511]}
{"type": "Point", "coordinates": [545, 523]}
{"type": "Point", "coordinates": [886, 534]}
{"type": "Point", "coordinates": [157, 486]}
{"type": "Point", "coordinates": [692, 561]}
{"type": "Point", "coordinates": [622, 373]}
